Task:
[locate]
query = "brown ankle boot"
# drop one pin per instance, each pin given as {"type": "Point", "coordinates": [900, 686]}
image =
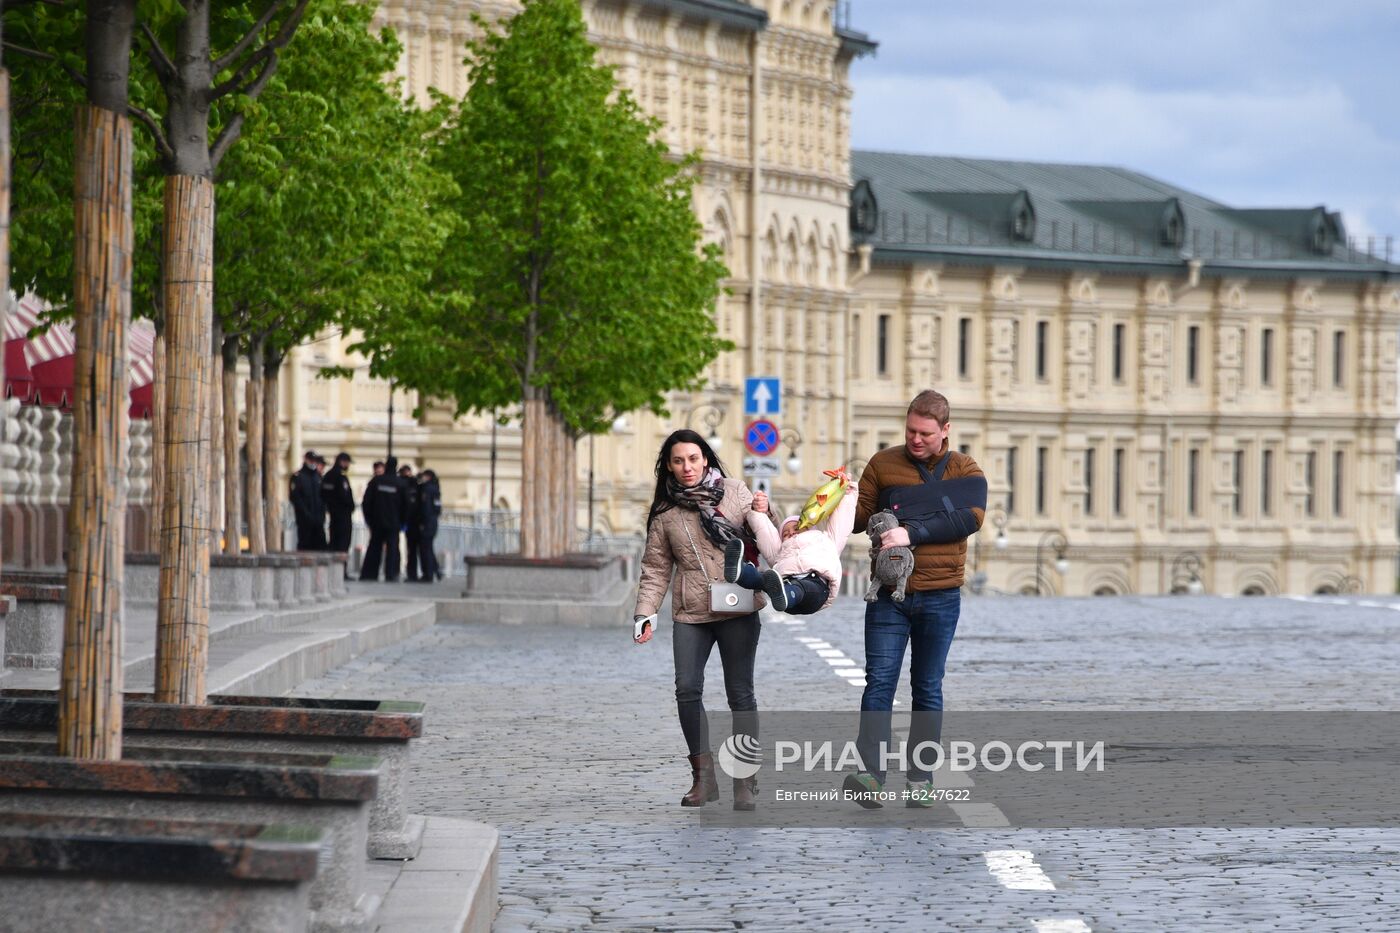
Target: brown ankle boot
{"type": "Point", "coordinates": [704, 789]}
{"type": "Point", "coordinates": [745, 793]}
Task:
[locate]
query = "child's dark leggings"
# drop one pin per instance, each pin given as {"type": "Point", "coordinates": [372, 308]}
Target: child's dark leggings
{"type": "Point", "coordinates": [806, 592]}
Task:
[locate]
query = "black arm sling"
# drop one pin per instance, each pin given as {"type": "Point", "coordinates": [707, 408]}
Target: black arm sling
{"type": "Point", "coordinates": [942, 502]}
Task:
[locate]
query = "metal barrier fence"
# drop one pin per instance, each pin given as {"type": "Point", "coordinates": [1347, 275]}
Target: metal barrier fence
{"type": "Point", "coordinates": [937, 228]}
{"type": "Point", "coordinates": [469, 534]}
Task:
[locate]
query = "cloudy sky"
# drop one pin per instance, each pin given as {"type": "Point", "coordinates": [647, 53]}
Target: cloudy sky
{"type": "Point", "coordinates": [1257, 103]}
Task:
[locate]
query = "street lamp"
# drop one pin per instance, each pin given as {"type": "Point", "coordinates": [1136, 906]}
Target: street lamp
{"type": "Point", "coordinates": [1056, 540]}
{"type": "Point", "coordinates": [713, 417]}
{"type": "Point", "coordinates": [1002, 542]}
{"type": "Point", "coordinates": [618, 424]}
{"type": "Point", "coordinates": [1188, 565]}
{"type": "Point", "coordinates": [997, 516]}
{"type": "Point", "coordinates": [793, 439]}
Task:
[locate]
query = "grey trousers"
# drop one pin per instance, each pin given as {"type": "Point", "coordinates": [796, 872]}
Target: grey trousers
{"type": "Point", "coordinates": [691, 643]}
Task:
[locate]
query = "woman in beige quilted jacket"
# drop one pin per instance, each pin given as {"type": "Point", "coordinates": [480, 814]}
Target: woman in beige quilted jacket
{"type": "Point", "coordinates": [695, 512]}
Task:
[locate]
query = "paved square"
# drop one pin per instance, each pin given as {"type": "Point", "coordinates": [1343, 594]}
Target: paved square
{"type": "Point", "coordinates": [525, 723]}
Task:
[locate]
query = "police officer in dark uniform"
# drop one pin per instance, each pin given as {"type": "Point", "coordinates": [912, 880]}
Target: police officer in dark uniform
{"type": "Point", "coordinates": [306, 503]}
{"type": "Point", "coordinates": [340, 501]}
{"type": "Point", "coordinates": [410, 522]}
{"type": "Point", "coordinates": [429, 509]}
{"type": "Point", "coordinates": [383, 508]}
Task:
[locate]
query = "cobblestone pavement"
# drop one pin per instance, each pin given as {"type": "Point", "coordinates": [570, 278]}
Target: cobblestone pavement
{"type": "Point", "coordinates": [566, 739]}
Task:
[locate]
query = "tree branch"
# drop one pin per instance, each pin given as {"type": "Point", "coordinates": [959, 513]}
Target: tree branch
{"type": "Point", "coordinates": [266, 54]}
{"type": "Point", "coordinates": [16, 4]}
{"type": "Point", "coordinates": [225, 60]}
{"type": "Point", "coordinates": [151, 124]}
{"type": "Point", "coordinates": [76, 75]}
{"type": "Point", "coordinates": [160, 61]}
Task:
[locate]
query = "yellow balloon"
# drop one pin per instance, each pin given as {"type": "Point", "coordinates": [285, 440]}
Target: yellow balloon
{"type": "Point", "coordinates": [824, 501]}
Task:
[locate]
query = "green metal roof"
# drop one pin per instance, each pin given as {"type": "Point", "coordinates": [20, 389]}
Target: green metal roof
{"type": "Point", "coordinates": [1047, 214]}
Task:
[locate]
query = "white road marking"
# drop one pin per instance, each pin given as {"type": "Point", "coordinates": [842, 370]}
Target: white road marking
{"type": "Point", "coordinates": [1016, 869]}
{"type": "Point", "coordinates": [856, 682]}
{"type": "Point", "coordinates": [945, 777]}
{"type": "Point", "coordinates": [816, 645]}
{"type": "Point", "coordinates": [830, 653]}
{"type": "Point", "coordinates": [1061, 925]}
{"type": "Point", "coordinates": [851, 671]}
{"type": "Point", "coordinates": [807, 639]}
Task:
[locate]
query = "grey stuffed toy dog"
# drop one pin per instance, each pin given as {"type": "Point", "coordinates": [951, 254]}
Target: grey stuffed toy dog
{"type": "Point", "coordinates": [893, 565]}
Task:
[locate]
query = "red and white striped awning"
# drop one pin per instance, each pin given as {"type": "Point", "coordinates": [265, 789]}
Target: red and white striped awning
{"type": "Point", "coordinates": [56, 342]}
{"type": "Point", "coordinates": [39, 369]}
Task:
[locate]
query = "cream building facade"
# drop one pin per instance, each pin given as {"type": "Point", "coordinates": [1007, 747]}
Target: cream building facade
{"type": "Point", "coordinates": [1157, 384]}
{"type": "Point", "coordinates": [1173, 405]}
{"type": "Point", "coordinates": [762, 91]}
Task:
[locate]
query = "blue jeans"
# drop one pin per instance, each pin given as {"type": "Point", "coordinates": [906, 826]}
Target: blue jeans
{"type": "Point", "coordinates": [926, 620]}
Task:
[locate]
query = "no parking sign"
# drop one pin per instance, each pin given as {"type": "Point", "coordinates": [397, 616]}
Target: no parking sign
{"type": "Point", "coordinates": [761, 437]}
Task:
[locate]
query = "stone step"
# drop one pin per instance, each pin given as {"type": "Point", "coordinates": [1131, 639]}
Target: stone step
{"type": "Point", "coordinates": [140, 654]}
{"type": "Point", "coordinates": [271, 652]}
{"type": "Point", "coordinates": [269, 663]}
{"type": "Point", "coordinates": [453, 884]}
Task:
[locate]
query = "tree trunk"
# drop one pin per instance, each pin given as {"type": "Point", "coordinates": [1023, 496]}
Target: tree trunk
{"type": "Point", "coordinates": [546, 481]}
{"type": "Point", "coordinates": [273, 490]}
{"type": "Point", "coordinates": [569, 446]}
{"type": "Point", "coordinates": [90, 684]}
{"type": "Point", "coordinates": [253, 452]}
{"type": "Point", "coordinates": [158, 397]}
{"type": "Point", "coordinates": [531, 495]}
{"type": "Point", "coordinates": [4, 208]}
{"type": "Point", "coordinates": [558, 480]}
{"type": "Point", "coordinates": [214, 432]}
{"type": "Point", "coordinates": [233, 531]}
{"type": "Point", "coordinates": [182, 636]}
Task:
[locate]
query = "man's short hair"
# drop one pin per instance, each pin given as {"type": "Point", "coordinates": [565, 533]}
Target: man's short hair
{"type": "Point", "coordinates": [930, 404]}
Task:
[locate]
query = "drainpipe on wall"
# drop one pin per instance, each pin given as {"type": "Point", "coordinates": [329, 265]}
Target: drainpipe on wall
{"type": "Point", "coordinates": [755, 209]}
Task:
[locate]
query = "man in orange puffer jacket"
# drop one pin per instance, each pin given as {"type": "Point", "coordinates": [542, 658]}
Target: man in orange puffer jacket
{"type": "Point", "coordinates": [928, 617]}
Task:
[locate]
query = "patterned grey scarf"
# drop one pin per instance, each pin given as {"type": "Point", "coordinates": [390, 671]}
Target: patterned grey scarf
{"type": "Point", "coordinates": [704, 497]}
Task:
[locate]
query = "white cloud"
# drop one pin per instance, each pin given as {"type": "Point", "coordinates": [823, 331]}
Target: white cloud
{"type": "Point", "coordinates": [1254, 102]}
{"type": "Point", "coordinates": [1251, 148]}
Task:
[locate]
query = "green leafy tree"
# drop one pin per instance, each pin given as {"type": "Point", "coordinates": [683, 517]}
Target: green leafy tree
{"type": "Point", "coordinates": [574, 283]}
{"type": "Point", "coordinates": [326, 206]}
{"type": "Point", "coordinates": [328, 211]}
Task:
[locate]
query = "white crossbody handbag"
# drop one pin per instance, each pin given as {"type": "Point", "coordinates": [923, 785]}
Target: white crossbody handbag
{"type": "Point", "coordinates": [726, 599]}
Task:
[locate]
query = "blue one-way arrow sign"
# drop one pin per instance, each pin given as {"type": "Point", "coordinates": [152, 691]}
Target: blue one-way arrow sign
{"type": "Point", "coordinates": [763, 395]}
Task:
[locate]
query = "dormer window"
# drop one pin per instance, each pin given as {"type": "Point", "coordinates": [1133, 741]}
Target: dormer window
{"type": "Point", "coordinates": [1022, 218]}
{"type": "Point", "coordinates": [865, 213]}
{"type": "Point", "coordinates": [1173, 224]}
{"type": "Point", "coordinates": [1325, 231]}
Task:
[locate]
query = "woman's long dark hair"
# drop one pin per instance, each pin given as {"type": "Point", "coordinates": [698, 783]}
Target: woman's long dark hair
{"type": "Point", "coordinates": [660, 500]}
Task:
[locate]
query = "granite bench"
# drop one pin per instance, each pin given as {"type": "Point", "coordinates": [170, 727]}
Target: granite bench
{"type": "Point", "coordinates": [34, 627]}
{"type": "Point", "coordinates": [63, 872]}
{"type": "Point", "coordinates": [248, 581]}
{"type": "Point", "coordinates": [331, 793]}
{"type": "Point", "coordinates": [377, 728]}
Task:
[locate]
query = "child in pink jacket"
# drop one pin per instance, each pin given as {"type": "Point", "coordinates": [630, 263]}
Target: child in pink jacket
{"type": "Point", "coordinates": [806, 565]}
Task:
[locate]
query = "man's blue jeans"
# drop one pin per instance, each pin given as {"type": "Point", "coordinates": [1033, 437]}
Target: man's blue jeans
{"type": "Point", "coordinates": [925, 621]}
